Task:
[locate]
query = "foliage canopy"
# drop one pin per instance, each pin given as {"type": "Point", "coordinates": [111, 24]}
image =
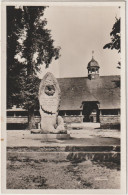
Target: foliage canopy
{"type": "Point", "coordinates": [115, 38]}
{"type": "Point", "coordinates": [27, 36]}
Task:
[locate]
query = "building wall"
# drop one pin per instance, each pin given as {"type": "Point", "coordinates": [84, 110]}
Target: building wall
{"type": "Point", "coordinates": [16, 123]}
{"type": "Point", "coordinates": [23, 119]}
{"type": "Point", "coordinates": [73, 119]}
{"type": "Point", "coordinates": [110, 121]}
{"type": "Point", "coordinates": [107, 121]}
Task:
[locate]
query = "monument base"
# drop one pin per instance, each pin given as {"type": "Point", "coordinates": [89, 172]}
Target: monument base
{"type": "Point", "coordinates": [39, 131]}
{"type": "Point", "coordinates": [37, 134]}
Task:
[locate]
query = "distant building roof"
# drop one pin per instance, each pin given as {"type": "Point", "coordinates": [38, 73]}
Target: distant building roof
{"type": "Point", "coordinates": [104, 90]}
{"type": "Point", "coordinates": [74, 91]}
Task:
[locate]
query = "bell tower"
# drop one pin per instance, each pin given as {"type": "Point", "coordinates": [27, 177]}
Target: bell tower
{"type": "Point", "coordinates": [93, 68]}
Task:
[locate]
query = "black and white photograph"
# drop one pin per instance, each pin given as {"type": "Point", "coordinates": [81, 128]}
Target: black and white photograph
{"type": "Point", "coordinates": [64, 109]}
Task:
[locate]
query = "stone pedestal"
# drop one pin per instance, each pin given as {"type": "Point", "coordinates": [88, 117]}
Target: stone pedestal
{"type": "Point", "coordinates": [37, 134]}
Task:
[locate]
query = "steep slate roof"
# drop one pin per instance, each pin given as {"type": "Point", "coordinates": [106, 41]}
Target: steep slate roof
{"type": "Point", "coordinates": [75, 90]}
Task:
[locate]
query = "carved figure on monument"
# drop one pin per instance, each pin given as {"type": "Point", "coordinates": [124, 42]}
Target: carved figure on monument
{"type": "Point", "coordinates": [49, 99]}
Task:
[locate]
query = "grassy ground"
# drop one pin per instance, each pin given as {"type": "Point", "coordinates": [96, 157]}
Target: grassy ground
{"type": "Point", "coordinates": [37, 164]}
{"type": "Point", "coordinates": [38, 170]}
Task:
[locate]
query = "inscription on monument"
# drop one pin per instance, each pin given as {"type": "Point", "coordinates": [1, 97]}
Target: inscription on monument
{"type": "Point", "coordinates": [49, 104]}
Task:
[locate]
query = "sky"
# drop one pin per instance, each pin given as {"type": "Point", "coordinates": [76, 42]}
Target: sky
{"type": "Point", "coordinates": [78, 31]}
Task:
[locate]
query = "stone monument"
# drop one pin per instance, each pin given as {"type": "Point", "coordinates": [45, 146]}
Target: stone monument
{"type": "Point", "coordinates": [52, 125]}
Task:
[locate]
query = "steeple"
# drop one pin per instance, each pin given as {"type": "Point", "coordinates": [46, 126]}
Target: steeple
{"type": "Point", "coordinates": [92, 54]}
{"type": "Point", "coordinates": [93, 68]}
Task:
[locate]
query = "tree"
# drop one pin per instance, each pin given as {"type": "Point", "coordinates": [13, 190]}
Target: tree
{"type": "Point", "coordinates": [115, 38]}
{"type": "Point", "coordinates": [14, 17]}
{"type": "Point", "coordinates": [32, 38]}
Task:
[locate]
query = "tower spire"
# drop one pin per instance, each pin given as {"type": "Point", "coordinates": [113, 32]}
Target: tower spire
{"type": "Point", "coordinates": [92, 54]}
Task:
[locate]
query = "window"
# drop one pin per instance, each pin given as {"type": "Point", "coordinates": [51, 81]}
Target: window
{"type": "Point", "coordinates": [61, 113]}
{"type": "Point", "coordinates": [21, 113]}
{"type": "Point", "coordinates": [36, 113]}
{"type": "Point", "coordinates": [17, 113]}
{"type": "Point", "coordinates": [110, 112]}
{"type": "Point", "coordinates": [10, 113]}
{"type": "Point", "coordinates": [73, 112]}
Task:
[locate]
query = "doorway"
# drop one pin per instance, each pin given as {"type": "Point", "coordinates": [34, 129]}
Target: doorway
{"type": "Point", "coordinates": [90, 112]}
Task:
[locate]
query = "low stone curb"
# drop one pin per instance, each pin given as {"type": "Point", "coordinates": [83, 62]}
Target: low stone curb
{"type": "Point", "coordinates": [66, 149]}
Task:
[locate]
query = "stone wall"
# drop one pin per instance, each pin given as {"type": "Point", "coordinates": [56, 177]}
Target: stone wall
{"type": "Point", "coordinates": [107, 121]}
{"type": "Point", "coordinates": [110, 121]}
{"type": "Point", "coordinates": [16, 123]}
{"type": "Point", "coordinates": [73, 119]}
{"type": "Point", "coordinates": [22, 119]}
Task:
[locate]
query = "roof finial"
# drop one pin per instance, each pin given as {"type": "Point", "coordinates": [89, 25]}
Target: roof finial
{"type": "Point", "coordinates": [92, 54]}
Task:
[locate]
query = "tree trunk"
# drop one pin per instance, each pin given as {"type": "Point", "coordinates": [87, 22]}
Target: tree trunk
{"type": "Point", "coordinates": [31, 119]}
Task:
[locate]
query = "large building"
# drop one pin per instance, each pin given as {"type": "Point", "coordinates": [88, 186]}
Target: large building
{"type": "Point", "coordinates": [93, 99]}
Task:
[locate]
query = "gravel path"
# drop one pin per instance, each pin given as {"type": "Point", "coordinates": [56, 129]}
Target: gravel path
{"type": "Point", "coordinates": [95, 137]}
